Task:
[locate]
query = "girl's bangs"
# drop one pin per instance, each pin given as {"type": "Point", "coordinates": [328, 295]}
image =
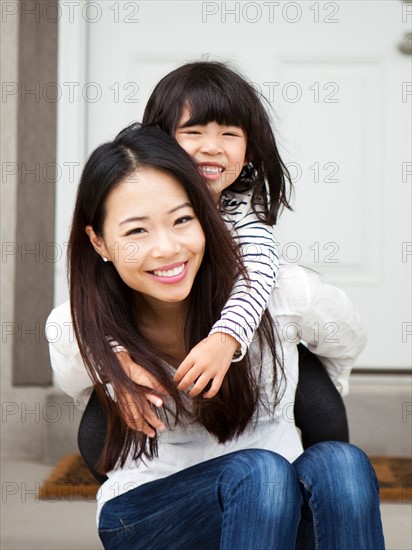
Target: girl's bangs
{"type": "Point", "coordinates": [211, 105]}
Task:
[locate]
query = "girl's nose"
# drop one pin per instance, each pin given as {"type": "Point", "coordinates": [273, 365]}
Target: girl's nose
{"type": "Point", "coordinates": [212, 146]}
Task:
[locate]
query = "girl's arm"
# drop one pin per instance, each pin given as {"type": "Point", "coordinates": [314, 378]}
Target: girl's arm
{"type": "Point", "coordinates": [72, 376]}
{"type": "Point", "coordinates": [232, 334]}
{"type": "Point", "coordinates": [248, 300]}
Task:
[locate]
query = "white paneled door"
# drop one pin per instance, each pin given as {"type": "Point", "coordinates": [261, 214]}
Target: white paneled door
{"type": "Point", "coordinates": [341, 93]}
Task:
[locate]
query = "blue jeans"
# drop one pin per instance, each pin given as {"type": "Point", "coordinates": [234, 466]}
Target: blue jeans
{"type": "Point", "coordinates": [253, 500]}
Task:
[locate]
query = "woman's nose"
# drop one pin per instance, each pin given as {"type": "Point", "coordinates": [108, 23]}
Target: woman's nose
{"type": "Point", "coordinates": [166, 245]}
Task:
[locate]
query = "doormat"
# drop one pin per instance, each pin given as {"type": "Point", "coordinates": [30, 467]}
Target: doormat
{"type": "Point", "coordinates": [395, 478]}
{"type": "Point", "coordinates": [71, 479]}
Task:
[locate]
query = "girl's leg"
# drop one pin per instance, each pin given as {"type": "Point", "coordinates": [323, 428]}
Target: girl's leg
{"type": "Point", "coordinates": [91, 434]}
{"type": "Point", "coordinates": [244, 500]}
{"type": "Point", "coordinates": [319, 409]}
{"type": "Point", "coordinates": [341, 499]}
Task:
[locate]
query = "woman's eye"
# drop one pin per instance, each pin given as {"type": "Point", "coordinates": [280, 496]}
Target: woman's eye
{"type": "Point", "coordinates": [183, 219]}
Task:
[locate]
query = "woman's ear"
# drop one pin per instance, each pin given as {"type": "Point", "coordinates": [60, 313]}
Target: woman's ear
{"type": "Point", "coordinates": [97, 242]}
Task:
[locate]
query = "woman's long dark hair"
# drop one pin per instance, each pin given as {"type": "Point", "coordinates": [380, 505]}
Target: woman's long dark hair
{"type": "Point", "coordinates": [215, 92]}
{"type": "Point", "coordinates": [102, 304]}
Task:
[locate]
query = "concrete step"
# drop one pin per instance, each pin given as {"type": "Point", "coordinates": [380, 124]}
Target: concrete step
{"type": "Point", "coordinates": [380, 414]}
{"type": "Point", "coordinates": [63, 420]}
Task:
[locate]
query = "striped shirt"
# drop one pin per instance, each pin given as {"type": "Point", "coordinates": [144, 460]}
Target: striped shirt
{"type": "Point", "coordinates": [243, 311]}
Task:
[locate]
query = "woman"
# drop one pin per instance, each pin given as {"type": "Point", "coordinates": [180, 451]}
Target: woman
{"type": "Point", "coordinates": [151, 265]}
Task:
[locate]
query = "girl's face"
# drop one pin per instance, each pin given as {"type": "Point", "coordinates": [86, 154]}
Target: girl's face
{"type": "Point", "coordinates": [152, 236]}
{"type": "Point", "coordinates": [218, 150]}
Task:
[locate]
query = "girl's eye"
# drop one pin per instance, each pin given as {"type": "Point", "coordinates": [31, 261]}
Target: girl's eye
{"type": "Point", "coordinates": [136, 231]}
{"type": "Point", "coordinates": [234, 132]}
{"type": "Point", "coordinates": [183, 219]}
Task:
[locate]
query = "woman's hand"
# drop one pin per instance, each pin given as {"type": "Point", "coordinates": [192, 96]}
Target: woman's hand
{"type": "Point", "coordinates": [209, 360]}
{"type": "Point", "coordinates": [140, 416]}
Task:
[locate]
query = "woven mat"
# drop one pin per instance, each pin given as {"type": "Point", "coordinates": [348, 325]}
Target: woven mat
{"type": "Point", "coordinates": [71, 479]}
{"type": "Point", "coordinates": [395, 478]}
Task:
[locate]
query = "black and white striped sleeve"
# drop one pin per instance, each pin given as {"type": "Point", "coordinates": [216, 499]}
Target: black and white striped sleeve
{"type": "Point", "coordinates": [248, 300]}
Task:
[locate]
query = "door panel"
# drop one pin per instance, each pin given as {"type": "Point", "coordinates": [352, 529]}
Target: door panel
{"type": "Point", "coordinates": [338, 88]}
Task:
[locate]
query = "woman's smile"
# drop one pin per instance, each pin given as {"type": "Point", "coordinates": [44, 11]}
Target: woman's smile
{"type": "Point", "coordinates": [170, 274]}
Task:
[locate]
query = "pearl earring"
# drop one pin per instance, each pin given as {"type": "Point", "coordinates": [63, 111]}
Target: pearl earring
{"type": "Point", "coordinates": [104, 258]}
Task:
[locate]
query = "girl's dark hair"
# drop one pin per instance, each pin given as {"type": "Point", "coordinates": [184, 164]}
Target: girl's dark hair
{"type": "Point", "coordinates": [215, 92]}
{"type": "Point", "coordinates": [102, 304]}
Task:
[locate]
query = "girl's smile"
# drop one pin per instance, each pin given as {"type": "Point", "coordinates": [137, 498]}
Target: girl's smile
{"type": "Point", "coordinates": [211, 170]}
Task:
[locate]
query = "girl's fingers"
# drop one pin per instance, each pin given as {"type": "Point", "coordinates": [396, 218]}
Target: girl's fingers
{"type": "Point", "coordinates": [151, 419]}
{"type": "Point", "coordinates": [139, 375]}
{"type": "Point", "coordinates": [182, 370]}
{"type": "Point", "coordinates": [214, 388]}
{"type": "Point", "coordinates": [200, 385]}
{"type": "Point", "coordinates": [148, 431]}
{"type": "Point", "coordinates": [142, 418]}
{"type": "Point", "coordinates": [156, 401]}
{"type": "Point", "coordinates": [142, 377]}
{"type": "Point", "coordinates": [142, 426]}
{"type": "Point", "coordinates": [149, 381]}
{"type": "Point", "coordinates": [146, 424]}
{"type": "Point", "coordinates": [193, 375]}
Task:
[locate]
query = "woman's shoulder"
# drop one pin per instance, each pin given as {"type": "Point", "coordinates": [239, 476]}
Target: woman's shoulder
{"type": "Point", "coordinates": [60, 313]}
{"type": "Point", "coordinates": [59, 328]}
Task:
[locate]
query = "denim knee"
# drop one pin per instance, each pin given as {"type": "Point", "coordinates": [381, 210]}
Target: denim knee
{"type": "Point", "coordinates": [358, 481]}
{"type": "Point", "coordinates": [261, 475]}
{"type": "Point", "coordinates": [341, 471]}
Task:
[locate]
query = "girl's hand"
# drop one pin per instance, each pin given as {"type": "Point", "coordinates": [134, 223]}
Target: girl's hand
{"type": "Point", "coordinates": [209, 360]}
{"type": "Point", "coordinates": [140, 416]}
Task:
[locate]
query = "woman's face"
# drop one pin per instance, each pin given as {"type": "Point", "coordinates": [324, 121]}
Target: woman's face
{"type": "Point", "coordinates": [152, 236]}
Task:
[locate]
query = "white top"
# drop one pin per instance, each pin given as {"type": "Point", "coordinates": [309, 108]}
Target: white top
{"type": "Point", "coordinates": [304, 308]}
{"type": "Point", "coordinates": [243, 311]}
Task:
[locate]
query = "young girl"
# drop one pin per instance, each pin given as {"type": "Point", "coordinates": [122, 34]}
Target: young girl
{"type": "Point", "coordinates": [218, 118]}
{"type": "Point", "coordinates": [229, 472]}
